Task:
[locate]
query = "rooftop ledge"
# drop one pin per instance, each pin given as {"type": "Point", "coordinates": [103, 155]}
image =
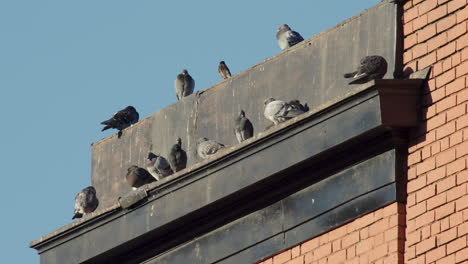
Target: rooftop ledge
{"type": "Point", "coordinates": [369, 121]}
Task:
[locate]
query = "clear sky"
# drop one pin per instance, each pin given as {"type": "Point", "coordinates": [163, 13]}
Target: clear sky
{"type": "Point", "coordinates": [65, 66]}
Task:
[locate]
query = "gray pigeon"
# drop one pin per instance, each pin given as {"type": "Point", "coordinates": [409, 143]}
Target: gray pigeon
{"type": "Point", "coordinates": [137, 177]}
{"type": "Point", "coordinates": [286, 37]}
{"type": "Point", "coordinates": [184, 84]}
{"type": "Point", "coordinates": [178, 157]}
{"type": "Point", "coordinates": [122, 119]}
{"type": "Point", "coordinates": [86, 202]}
{"type": "Point", "coordinates": [279, 111]}
{"type": "Point", "coordinates": [243, 127]}
{"type": "Point", "coordinates": [158, 166]}
{"type": "Point", "coordinates": [370, 68]}
{"type": "Point", "coordinates": [207, 148]}
{"type": "Point", "coordinates": [224, 70]}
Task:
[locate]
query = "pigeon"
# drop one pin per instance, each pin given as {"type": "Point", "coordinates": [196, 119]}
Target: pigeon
{"type": "Point", "coordinates": [370, 68]}
{"type": "Point", "coordinates": [158, 166]}
{"type": "Point", "coordinates": [86, 202]}
{"type": "Point", "coordinates": [286, 37]}
{"type": "Point", "coordinates": [207, 148]}
{"type": "Point", "coordinates": [137, 177]}
{"type": "Point", "coordinates": [224, 70]}
{"type": "Point", "coordinates": [184, 84]}
{"type": "Point", "coordinates": [122, 119]}
{"type": "Point", "coordinates": [243, 127]}
{"type": "Point", "coordinates": [178, 157]}
{"type": "Point", "coordinates": [279, 111]}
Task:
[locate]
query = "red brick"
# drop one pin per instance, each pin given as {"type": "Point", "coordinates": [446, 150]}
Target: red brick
{"type": "Point", "coordinates": [425, 193]}
{"type": "Point", "coordinates": [461, 255]}
{"type": "Point", "coordinates": [445, 78]}
{"type": "Point", "coordinates": [462, 42]}
{"type": "Point", "coordinates": [336, 245]}
{"type": "Point", "coordinates": [425, 245]}
{"type": "Point", "coordinates": [446, 50]}
{"type": "Point", "coordinates": [462, 149]}
{"type": "Point", "coordinates": [350, 239]}
{"type": "Point", "coordinates": [408, 56]}
{"type": "Point", "coordinates": [322, 251]}
{"type": "Point", "coordinates": [378, 252]}
{"type": "Point", "coordinates": [446, 23]}
{"type": "Point", "coordinates": [445, 130]}
{"type": "Point", "coordinates": [461, 203]}
{"type": "Point", "coordinates": [462, 122]}
{"type": "Point", "coordinates": [295, 251]}
{"type": "Point", "coordinates": [417, 183]}
{"type": "Point", "coordinates": [425, 166]}
{"type": "Point", "coordinates": [436, 174]}
{"type": "Point", "coordinates": [408, 28]}
{"type": "Point", "coordinates": [427, 60]}
{"type": "Point", "coordinates": [410, 41]}
{"type": "Point", "coordinates": [324, 239]}
{"type": "Point", "coordinates": [456, 166]}
{"type": "Point", "coordinates": [418, 51]}
{"type": "Point", "coordinates": [444, 210]}
{"type": "Point", "coordinates": [410, 15]}
{"type": "Point", "coordinates": [456, 219]}
{"type": "Point", "coordinates": [444, 144]}
{"type": "Point", "coordinates": [337, 257]}
{"type": "Point", "coordinates": [424, 219]}
{"type": "Point", "coordinates": [426, 152]}
{"type": "Point", "coordinates": [462, 70]}
{"type": "Point", "coordinates": [462, 229]}
{"type": "Point", "coordinates": [436, 201]}
{"type": "Point", "coordinates": [282, 257]}
{"type": "Point", "coordinates": [445, 157]}
{"type": "Point", "coordinates": [444, 224]}
{"type": "Point", "coordinates": [436, 13]}
{"type": "Point", "coordinates": [430, 31]}
{"type": "Point", "coordinates": [426, 6]}
{"type": "Point", "coordinates": [435, 254]}
{"type": "Point", "coordinates": [456, 112]}
{"type": "Point", "coordinates": [298, 260]}
{"type": "Point", "coordinates": [446, 184]}
{"type": "Point", "coordinates": [464, 54]}
{"type": "Point", "coordinates": [455, 32]}
{"type": "Point", "coordinates": [456, 138]}
{"type": "Point", "coordinates": [437, 41]}
{"type": "Point", "coordinates": [450, 259]}
{"type": "Point", "coordinates": [267, 261]}
{"type": "Point", "coordinates": [394, 258]}
{"type": "Point", "coordinates": [462, 96]}
{"type": "Point", "coordinates": [447, 64]}
{"type": "Point", "coordinates": [462, 177]}
{"type": "Point", "coordinates": [309, 245]}
{"type": "Point", "coordinates": [455, 4]}
{"type": "Point", "coordinates": [462, 15]}
{"type": "Point", "coordinates": [414, 157]}
{"type": "Point", "coordinates": [446, 236]}
{"type": "Point", "coordinates": [456, 245]}
{"type": "Point", "coordinates": [435, 148]}
{"type": "Point", "coordinates": [419, 22]}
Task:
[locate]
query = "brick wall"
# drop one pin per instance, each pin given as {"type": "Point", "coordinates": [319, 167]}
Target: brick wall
{"type": "Point", "coordinates": [437, 207]}
{"type": "Point", "coordinates": [433, 226]}
{"type": "Point", "coordinates": [377, 237]}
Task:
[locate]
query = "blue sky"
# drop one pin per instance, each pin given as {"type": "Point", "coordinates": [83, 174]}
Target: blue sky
{"type": "Point", "coordinates": [65, 66]}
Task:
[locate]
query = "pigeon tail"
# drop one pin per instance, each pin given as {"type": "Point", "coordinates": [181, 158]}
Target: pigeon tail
{"type": "Point", "coordinates": [77, 215]}
{"type": "Point", "coordinates": [106, 127]}
{"type": "Point", "coordinates": [350, 75]}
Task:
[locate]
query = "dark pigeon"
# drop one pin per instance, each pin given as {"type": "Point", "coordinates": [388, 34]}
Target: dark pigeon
{"type": "Point", "coordinates": [137, 177]}
{"type": "Point", "coordinates": [243, 128]}
{"type": "Point", "coordinates": [178, 157]}
{"type": "Point", "coordinates": [122, 119]}
{"type": "Point", "coordinates": [370, 68]}
{"type": "Point", "coordinates": [158, 166]}
{"type": "Point", "coordinates": [224, 70]}
{"type": "Point", "coordinates": [207, 147]}
{"type": "Point", "coordinates": [184, 85]}
{"type": "Point", "coordinates": [86, 202]}
{"type": "Point", "coordinates": [286, 37]}
{"type": "Point", "coordinates": [279, 111]}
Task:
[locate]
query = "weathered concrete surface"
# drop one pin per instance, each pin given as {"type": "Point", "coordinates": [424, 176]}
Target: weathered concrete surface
{"type": "Point", "coordinates": [311, 71]}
